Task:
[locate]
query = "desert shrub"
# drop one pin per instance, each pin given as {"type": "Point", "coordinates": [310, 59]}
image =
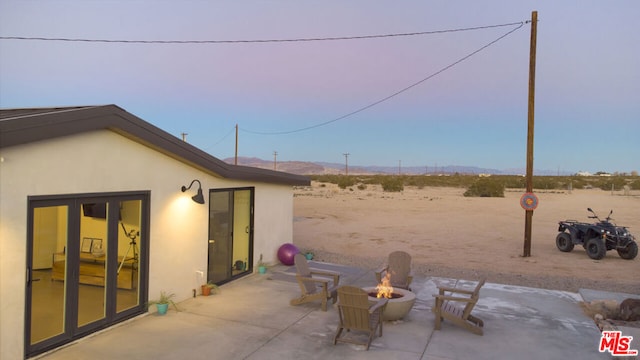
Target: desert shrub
{"type": "Point", "coordinates": [577, 182]}
{"type": "Point", "coordinates": [546, 182]}
{"type": "Point", "coordinates": [466, 181]}
{"type": "Point", "coordinates": [392, 184]}
{"type": "Point", "coordinates": [362, 187]}
{"type": "Point", "coordinates": [485, 187]}
{"type": "Point", "coordinates": [606, 183]}
{"type": "Point", "coordinates": [514, 182]}
{"type": "Point", "coordinates": [345, 181]}
{"type": "Point", "coordinates": [420, 181]}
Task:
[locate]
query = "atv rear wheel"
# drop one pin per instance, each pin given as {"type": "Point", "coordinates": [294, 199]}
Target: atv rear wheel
{"type": "Point", "coordinates": [563, 242]}
{"type": "Point", "coordinates": [595, 248]}
{"type": "Point", "coordinates": [629, 252]}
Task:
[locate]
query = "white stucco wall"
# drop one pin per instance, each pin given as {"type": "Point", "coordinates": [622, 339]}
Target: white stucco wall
{"type": "Point", "coordinates": [108, 162]}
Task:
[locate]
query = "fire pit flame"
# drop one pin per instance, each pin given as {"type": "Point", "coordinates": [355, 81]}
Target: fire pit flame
{"type": "Point", "coordinates": [385, 290]}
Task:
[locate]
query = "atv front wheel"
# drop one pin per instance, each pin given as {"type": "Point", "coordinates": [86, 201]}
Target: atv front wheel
{"type": "Point", "coordinates": [563, 242]}
{"type": "Point", "coordinates": [629, 252]}
{"type": "Point", "coordinates": [595, 248]}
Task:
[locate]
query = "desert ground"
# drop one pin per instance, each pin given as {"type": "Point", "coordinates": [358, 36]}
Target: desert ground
{"type": "Point", "coordinates": [450, 235]}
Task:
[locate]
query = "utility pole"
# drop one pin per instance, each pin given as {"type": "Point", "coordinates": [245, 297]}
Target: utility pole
{"type": "Point", "coordinates": [346, 163]}
{"type": "Point", "coordinates": [236, 161]}
{"type": "Point", "coordinates": [530, 122]}
{"type": "Point", "coordinates": [399, 167]}
{"type": "Point", "coordinates": [275, 156]}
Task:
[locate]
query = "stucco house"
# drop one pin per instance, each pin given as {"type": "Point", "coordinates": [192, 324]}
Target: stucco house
{"type": "Point", "coordinates": [100, 211]}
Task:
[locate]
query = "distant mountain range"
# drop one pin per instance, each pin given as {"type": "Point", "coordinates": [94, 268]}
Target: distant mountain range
{"type": "Point", "coordinates": [320, 168]}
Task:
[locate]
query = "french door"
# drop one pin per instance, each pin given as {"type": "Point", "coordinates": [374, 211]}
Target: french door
{"type": "Point", "coordinates": [230, 234]}
{"type": "Point", "coordinates": [86, 265]}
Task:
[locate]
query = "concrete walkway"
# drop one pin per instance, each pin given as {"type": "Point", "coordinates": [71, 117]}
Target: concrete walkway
{"type": "Point", "coordinates": [251, 319]}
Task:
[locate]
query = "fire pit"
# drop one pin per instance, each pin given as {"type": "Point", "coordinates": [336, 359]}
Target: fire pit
{"type": "Point", "coordinates": [399, 304]}
{"type": "Point", "coordinates": [400, 300]}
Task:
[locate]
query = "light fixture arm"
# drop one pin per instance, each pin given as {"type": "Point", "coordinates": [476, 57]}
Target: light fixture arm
{"type": "Point", "coordinates": [184, 188]}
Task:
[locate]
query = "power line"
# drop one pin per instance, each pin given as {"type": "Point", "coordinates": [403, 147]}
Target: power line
{"type": "Point", "coordinates": [394, 94]}
{"type": "Point", "coordinates": [520, 24]}
{"type": "Point", "coordinates": [338, 38]}
{"type": "Point", "coordinates": [219, 141]}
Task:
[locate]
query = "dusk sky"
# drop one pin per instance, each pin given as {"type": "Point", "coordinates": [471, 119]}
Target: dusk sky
{"type": "Point", "coordinates": [468, 113]}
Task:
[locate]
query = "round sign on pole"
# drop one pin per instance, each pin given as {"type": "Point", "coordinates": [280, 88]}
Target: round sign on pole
{"type": "Point", "coordinates": [529, 201]}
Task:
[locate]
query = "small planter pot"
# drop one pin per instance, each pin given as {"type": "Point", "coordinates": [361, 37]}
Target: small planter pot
{"type": "Point", "coordinates": [262, 269]}
{"type": "Point", "coordinates": [206, 290]}
{"type": "Point", "coordinates": [162, 308]}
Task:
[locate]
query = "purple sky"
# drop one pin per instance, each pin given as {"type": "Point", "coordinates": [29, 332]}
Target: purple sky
{"type": "Point", "coordinates": [475, 113]}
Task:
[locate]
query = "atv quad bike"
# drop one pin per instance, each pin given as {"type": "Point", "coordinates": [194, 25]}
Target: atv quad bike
{"type": "Point", "coordinates": [596, 238]}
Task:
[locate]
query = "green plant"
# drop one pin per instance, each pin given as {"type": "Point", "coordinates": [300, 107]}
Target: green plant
{"type": "Point", "coordinates": [262, 266]}
{"type": "Point", "coordinates": [547, 182]}
{"type": "Point", "coordinates": [345, 181]}
{"type": "Point", "coordinates": [611, 183]}
{"type": "Point", "coordinates": [393, 184]}
{"type": "Point", "coordinates": [261, 263]}
{"type": "Point", "coordinates": [485, 187]}
{"type": "Point", "coordinates": [617, 181]}
{"type": "Point", "coordinates": [214, 288]}
{"type": "Point", "coordinates": [165, 298]}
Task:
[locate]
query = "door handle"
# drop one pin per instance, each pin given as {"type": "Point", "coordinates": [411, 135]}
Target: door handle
{"type": "Point", "coordinates": [211, 241]}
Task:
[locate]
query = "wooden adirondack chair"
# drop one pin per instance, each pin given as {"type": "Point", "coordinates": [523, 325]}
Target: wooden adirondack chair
{"type": "Point", "coordinates": [456, 305]}
{"type": "Point", "coordinates": [314, 284]}
{"type": "Point", "coordinates": [357, 313]}
{"type": "Point", "coordinates": [398, 267]}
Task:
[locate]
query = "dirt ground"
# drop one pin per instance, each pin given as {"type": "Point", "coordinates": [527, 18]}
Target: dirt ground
{"type": "Point", "coordinates": [450, 235]}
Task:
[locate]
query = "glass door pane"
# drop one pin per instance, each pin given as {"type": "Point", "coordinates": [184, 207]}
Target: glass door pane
{"type": "Point", "coordinates": [219, 268]}
{"type": "Point", "coordinates": [128, 254]}
{"type": "Point", "coordinates": [92, 267]}
{"type": "Point", "coordinates": [241, 230]}
{"type": "Point", "coordinates": [48, 275]}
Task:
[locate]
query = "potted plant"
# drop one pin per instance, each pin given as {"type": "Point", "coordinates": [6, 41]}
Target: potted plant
{"type": "Point", "coordinates": [209, 288]}
{"type": "Point", "coordinates": [262, 267]}
{"type": "Point", "coordinates": [308, 254]}
{"type": "Point", "coordinates": [162, 303]}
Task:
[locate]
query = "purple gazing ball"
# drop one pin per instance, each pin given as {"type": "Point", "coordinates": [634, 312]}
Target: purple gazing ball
{"type": "Point", "coordinates": [286, 252]}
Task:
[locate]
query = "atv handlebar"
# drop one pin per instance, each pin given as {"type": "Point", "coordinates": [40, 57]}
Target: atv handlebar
{"type": "Point", "coordinates": [596, 216]}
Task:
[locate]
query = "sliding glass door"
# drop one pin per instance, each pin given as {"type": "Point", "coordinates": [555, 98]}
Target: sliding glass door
{"type": "Point", "coordinates": [230, 234]}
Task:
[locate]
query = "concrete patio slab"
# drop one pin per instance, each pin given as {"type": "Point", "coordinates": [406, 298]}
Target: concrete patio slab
{"type": "Point", "coordinates": [251, 319]}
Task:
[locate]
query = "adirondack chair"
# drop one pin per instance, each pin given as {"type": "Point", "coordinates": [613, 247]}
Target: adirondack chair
{"type": "Point", "coordinates": [357, 313]}
{"type": "Point", "coordinates": [314, 284]}
{"type": "Point", "coordinates": [456, 305]}
{"type": "Point", "coordinates": [398, 266]}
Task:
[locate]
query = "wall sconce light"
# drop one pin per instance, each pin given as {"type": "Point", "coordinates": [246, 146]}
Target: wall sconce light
{"type": "Point", "coordinates": [197, 197]}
